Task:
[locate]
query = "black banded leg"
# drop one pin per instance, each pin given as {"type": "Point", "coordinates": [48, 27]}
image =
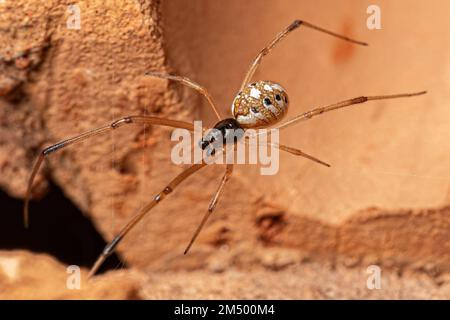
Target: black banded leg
{"type": "Point", "coordinates": [293, 26]}
{"type": "Point", "coordinates": [91, 133]}
{"type": "Point", "coordinates": [358, 100]}
{"type": "Point", "coordinates": [212, 205]}
{"type": "Point", "coordinates": [110, 247]}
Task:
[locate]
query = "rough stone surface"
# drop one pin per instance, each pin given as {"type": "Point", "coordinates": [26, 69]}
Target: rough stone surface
{"type": "Point", "coordinates": [299, 280]}
{"type": "Point", "coordinates": [385, 200]}
{"type": "Point", "coordinates": [24, 275]}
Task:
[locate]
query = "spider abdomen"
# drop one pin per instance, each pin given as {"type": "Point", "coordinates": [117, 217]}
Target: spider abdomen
{"type": "Point", "coordinates": [260, 104]}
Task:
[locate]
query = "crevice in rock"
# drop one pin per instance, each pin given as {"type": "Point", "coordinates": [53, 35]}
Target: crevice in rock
{"type": "Point", "coordinates": [57, 227]}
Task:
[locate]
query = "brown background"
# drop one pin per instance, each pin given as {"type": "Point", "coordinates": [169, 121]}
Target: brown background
{"type": "Point", "coordinates": [308, 232]}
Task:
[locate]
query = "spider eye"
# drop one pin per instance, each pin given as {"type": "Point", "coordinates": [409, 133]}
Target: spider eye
{"type": "Point", "coordinates": [277, 97]}
{"type": "Point", "coordinates": [254, 110]}
{"type": "Point", "coordinates": [267, 102]}
{"type": "Point", "coordinates": [285, 99]}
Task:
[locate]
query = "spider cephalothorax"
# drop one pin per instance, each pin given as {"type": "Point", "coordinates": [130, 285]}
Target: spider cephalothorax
{"type": "Point", "coordinates": [225, 131]}
{"type": "Point", "coordinates": [260, 104]}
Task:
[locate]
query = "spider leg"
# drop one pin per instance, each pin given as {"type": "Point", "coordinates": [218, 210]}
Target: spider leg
{"type": "Point", "coordinates": [317, 111]}
{"type": "Point", "coordinates": [294, 25]}
{"type": "Point", "coordinates": [98, 131]}
{"type": "Point", "coordinates": [188, 82]}
{"type": "Point", "coordinates": [300, 153]}
{"type": "Point", "coordinates": [109, 249]}
{"type": "Point", "coordinates": [294, 151]}
{"type": "Point", "coordinates": [212, 205]}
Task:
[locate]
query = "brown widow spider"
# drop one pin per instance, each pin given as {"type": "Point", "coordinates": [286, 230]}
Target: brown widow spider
{"type": "Point", "coordinates": [257, 105]}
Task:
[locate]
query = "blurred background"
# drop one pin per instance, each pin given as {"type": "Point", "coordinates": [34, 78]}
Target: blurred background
{"type": "Point", "coordinates": [308, 232]}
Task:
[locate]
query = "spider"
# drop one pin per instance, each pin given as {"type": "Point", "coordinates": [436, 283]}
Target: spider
{"type": "Point", "coordinates": [258, 104]}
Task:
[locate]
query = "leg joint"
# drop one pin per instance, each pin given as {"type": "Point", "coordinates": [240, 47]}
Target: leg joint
{"type": "Point", "coordinates": [295, 25]}
{"type": "Point", "coordinates": [119, 122]}
{"type": "Point", "coordinates": [52, 148]}
{"type": "Point", "coordinates": [167, 190]}
{"type": "Point", "coordinates": [109, 249]}
{"type": "Point", "coordinates": [360, 99]}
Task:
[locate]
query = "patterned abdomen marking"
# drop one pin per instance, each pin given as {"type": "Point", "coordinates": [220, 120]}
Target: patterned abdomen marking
{"type": "Point", "coordinates": [260, 104]}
